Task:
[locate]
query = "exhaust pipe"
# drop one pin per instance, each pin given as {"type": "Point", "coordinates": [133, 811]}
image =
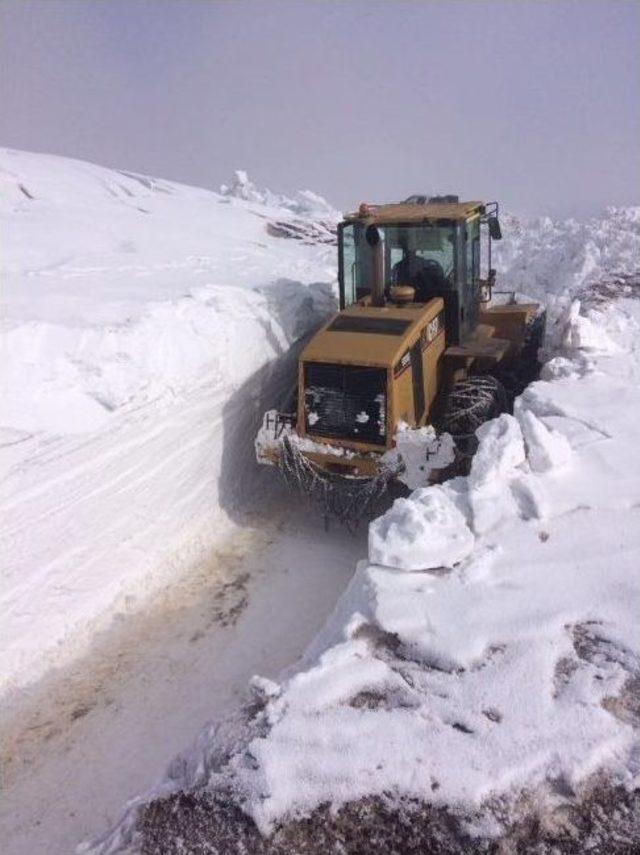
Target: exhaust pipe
{"type": "Point", "coordinates": [375, 239]}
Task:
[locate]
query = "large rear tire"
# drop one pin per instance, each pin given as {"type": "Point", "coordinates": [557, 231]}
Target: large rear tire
{"type": "Point", "coordinates": [472, 402]}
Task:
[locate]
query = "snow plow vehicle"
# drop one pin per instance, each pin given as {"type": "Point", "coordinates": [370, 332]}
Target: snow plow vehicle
{"type": "Point", "coordinates": [420, 354]}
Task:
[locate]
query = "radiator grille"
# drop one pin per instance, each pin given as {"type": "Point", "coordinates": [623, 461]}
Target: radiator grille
{"type": "Point", "coordinates": [345, 402]}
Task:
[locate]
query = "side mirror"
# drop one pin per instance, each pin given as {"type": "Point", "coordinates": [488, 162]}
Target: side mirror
{"type": "Point", "coordinates": [494, 228]}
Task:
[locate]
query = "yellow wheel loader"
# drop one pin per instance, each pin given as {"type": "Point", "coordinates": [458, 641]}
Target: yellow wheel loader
{"type": "Point", "coordinates": [418, 356]}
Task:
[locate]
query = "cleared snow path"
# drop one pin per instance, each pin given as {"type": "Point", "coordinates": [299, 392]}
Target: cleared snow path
{"type": "Point", "coordinates": [100, 731]}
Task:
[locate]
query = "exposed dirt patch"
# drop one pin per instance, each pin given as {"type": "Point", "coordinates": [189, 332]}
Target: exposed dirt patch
{"type": "Point", "coordinates": [493, 715]}
{"type": "Point", "coordinates": [309, 233]}
{"type": "Point", "coordinates": [231, 600]}
{"type": "Point", "coordinates": [369, 700]}
{"type": "Point", "coordinates": [604, 818]}
{"type": "Point", "coordinates": [563, 672]}
{"type": "Point", "coordinates": [592, 649]}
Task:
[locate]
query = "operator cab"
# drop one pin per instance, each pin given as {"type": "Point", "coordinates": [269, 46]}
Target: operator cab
{"type": "Point", "coordinates": [432, 246]}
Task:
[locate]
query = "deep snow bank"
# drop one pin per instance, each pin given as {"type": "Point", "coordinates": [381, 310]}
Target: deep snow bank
{"type": "Point", "coordinates": [119, 286]}
{"type": "Point", "coordinates": [551, 259]}
{"type": "Point", "coordinates": [143, 322]}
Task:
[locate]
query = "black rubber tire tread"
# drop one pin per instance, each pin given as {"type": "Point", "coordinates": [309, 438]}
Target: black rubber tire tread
{"type": "Point", "coordinates": [472, 402]}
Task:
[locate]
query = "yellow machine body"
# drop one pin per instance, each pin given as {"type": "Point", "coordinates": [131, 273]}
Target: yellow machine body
{"type": "Point", "coordinates": [393, 352]}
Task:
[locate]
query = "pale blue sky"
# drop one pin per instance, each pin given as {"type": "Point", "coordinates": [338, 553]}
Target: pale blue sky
{"type": "Point", "coordinates": [536, 104]}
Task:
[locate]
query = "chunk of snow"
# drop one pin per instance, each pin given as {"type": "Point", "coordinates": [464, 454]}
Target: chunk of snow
{"type": "Point", "coordinates": [304, 203]}
{"type": "Point", "coordinates": [559, 366]}
{"type": "Point", "coordinates": [241, 188]}
{"type": "Point", "coordinates": [579, 332]}
{"type": "Point", "coordinates": [500, 451]}
{"type": "Point", "coordinates": [546, 449]}
{"type": "Point", "coordinates": [426, 530]}
{"type": "Point", "coordinates": [417, 453]}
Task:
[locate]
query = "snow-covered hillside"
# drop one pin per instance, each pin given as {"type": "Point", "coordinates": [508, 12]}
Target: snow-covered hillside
{"type": "Point", "coordinates": [145, 326]}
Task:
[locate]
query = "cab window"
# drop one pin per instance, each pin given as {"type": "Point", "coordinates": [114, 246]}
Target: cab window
{"type": "Point", "coordinates": [412, 252]}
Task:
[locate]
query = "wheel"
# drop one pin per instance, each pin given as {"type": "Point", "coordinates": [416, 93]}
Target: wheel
{"type": "Point", "coordinates": [472, 402]}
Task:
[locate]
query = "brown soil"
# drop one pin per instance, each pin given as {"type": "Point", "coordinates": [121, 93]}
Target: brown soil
{"type": "Point", "coordinates": [604, 818]}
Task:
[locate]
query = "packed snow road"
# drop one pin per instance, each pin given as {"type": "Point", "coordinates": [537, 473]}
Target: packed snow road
{"type": "Point", "coordinates": [101, 730]}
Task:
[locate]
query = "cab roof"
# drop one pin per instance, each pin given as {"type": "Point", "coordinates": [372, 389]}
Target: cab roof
{"type": "Point", "coordinates": [406, 212]}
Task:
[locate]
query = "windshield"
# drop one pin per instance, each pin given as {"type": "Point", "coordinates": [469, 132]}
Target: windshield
{"type": "Point", "coordinates": [419, 255]}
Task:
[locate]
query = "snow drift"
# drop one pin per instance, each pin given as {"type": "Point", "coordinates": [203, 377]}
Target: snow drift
{"type": "Point", "coordinates": [145, 326]}
{"type": "Point", "coordinates": [553, 260]}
